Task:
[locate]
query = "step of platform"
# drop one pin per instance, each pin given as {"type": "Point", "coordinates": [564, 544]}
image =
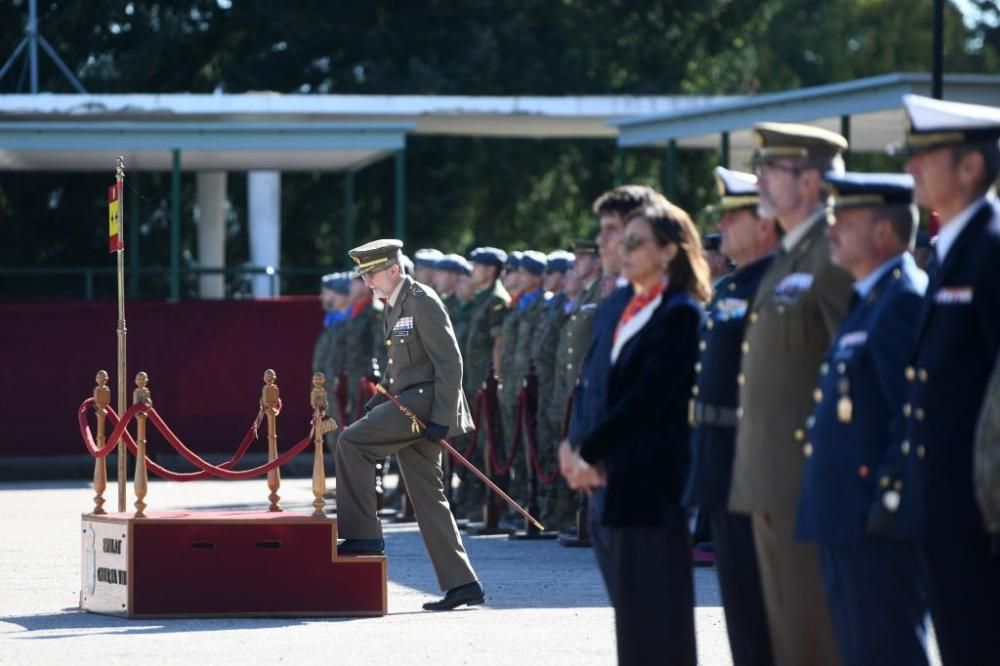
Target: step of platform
{"type": "Point", "coordinates": [224, 563]}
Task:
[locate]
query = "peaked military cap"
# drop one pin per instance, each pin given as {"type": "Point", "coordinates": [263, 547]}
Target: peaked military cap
{"type": "Point", "coordinates": [376, 255]}
{"type": "Point", "coordinates": [933, 122]}
{"type": "Point", "coordinates": [871, 189]}
{"type": "Point", "coordinates": [711, 242]}
{"type": "Point", "coordinates": [514, 260]}
{"type": "Point", "coordinates": [533, 261]}
{"type": "Point", "coordinates": [328, 280]}
{"type": "Point", "coordinates": [736, 190]}
{"type": "Point", "coordinates": [427, 257]}
{"type": "Point", "coordinates": [454, 263]}
{"type": "Point", "coordinates": [490, 256]}
{"type": "Point", "coordinates": [584, 246]}
{"type": "Point", "coordinates": [805, 142]}
{"type": "Point", "coordinates": [559, 261]}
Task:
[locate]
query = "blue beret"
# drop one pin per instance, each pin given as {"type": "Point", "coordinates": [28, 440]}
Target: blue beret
{"type": "Point", "coordinates": [533, 261]}
{"type": "Point", "coordinates": [427, 257]}
{"type": "Point", "coordinates": [490, 256]}
{"type": "Point", "coordinates": [871, 189]}
{"type": "Point", "coordinates": [514, 260]}
{"type": "Point", "coordinates": [559, 261]}
{"type": "Point", "coordinates": [454, 263]}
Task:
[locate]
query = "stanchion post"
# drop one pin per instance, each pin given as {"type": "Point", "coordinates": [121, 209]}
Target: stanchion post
{"type": "Point", "coordinates": [269, 403]}
{"type": "Point", "coordinates": [141, 395]}
{"type": "Point", "coordinates": [321, 426]}
{"type": "Point", "coordinates": [102, 398]}
{"type": "Point", "coordinates": [122, 329]}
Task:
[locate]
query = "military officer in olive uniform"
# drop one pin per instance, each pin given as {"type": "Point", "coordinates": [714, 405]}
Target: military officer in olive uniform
{"type": "Point", "coordinates": [363, 341]}
{"type": "Point", "coordinates": [874, 586]}
{"type": "Point", "coordinates": [749, 241]}
{"type": "Point", "coordinates": [530, 306]}
{"type": "Point", "coordinates": [485, 319]}
{"type": "Point", "coordinates": [800, 302]}
{"type": "Point", "coordinates": [954, 158]}
{"type": "Point", "coordinates": [424, 371]}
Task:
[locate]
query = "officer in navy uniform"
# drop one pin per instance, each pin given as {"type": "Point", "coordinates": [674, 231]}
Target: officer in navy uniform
{"type": "Point", "coordinates": [874, 586]}
{"type": "Point", "coordinates": [954, 158]}
{"type": "Point", "coordinates": [749, 241]}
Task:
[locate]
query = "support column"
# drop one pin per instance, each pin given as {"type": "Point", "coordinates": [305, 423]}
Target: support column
{"type": "Point", "coordinates": [845, 131]}
{"type": "Point", "coordinates": [619, 166]}
{"type": "Point", "coordinates": [400, 228]}
{"type": "Point", "coordinates": [175, 226]}
{"type": "Point", "coordinates": [264, 211]}
{"type": "Point", "coordinates": [132, 224]}
{"type": "Point", "coordinates": [724, 150]}
{"type": "Point", "coordinates": [350, 226]}
{"type": "Point", "coordinates": [212, 232]}
{"type": "Point", "coordinates": [670, 171]}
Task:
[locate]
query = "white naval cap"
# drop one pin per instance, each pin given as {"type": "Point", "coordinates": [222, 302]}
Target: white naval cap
{"type": "Point", "coordinates": [933, 122]}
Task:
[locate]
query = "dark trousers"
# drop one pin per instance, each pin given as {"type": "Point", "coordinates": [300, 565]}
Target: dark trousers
{"type": "Point", "coordinates": [876, 594]}
{"type": "Point", "coordinates": [647, 571]}
{"type": "Point", "coordinates": [964, 586]}
{"type": "Point", "coordinates": [739, 581]}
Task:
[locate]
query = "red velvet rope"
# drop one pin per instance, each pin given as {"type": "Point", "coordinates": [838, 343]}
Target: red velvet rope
{"type": "Point", "coordinates": [502, 469]}
{"type": "Point", "coordinates": [543, 478]}
{"type": "Point", "coordinates": [207, 469]}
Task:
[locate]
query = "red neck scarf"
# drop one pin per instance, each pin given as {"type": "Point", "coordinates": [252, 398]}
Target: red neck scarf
{"type": "Point", "coordinates": [360, 306]}
{"type": "Point", "coordinates": [638, 302]}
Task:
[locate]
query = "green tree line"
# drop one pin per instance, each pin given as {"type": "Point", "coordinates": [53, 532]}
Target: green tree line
{"type": "Point", "coordinates": [460, 191]}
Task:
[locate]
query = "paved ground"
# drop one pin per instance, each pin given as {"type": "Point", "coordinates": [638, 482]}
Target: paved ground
{"type": "Point", "coordinates": [545, 604]}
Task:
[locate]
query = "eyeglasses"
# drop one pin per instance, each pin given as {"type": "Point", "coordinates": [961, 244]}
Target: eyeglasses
{"type": "Point", "coordinates": [770, 168]}
{"type": "Point", "coordinates": [632, 243]}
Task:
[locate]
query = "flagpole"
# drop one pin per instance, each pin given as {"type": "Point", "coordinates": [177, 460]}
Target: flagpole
{"type": "Point", "coordinates": [122, 404]}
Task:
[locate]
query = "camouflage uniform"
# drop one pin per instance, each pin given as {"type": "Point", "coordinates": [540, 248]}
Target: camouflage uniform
{"type": "Point", "coordinates": [530, 318]}
{"type": "Point", "coordinates": [363, 342]}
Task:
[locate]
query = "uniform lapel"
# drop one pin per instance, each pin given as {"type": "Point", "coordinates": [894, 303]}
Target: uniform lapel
{"type": "Point", "coordinates": [393, 313]}
{"type": "Point", "coordinates": [953, 260]}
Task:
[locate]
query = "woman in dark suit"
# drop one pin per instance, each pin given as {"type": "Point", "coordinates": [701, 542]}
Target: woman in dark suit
{"type": "Point", "coordinates": [635, 461]}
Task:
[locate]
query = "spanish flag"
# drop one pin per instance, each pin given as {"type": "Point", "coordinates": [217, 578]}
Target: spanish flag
{"type": "Point", "coordinates": [115, 240]}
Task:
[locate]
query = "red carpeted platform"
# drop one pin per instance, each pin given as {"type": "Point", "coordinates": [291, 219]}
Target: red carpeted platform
{"type": "Point", "coordinates": [210, 563]}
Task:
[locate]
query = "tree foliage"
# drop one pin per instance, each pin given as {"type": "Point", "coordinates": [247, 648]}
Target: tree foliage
{"type": "Point", "coordinates": [461, 191]}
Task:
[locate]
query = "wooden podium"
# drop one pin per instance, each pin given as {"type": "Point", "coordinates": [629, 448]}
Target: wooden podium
{"type": "Point", "coordinates": [224, 564]}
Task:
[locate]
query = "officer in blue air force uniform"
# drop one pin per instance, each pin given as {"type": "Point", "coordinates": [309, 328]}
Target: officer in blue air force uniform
{"type": "Point", "coordinates": [954, 158]}
{"type": "Point", "coordinates": [749, 241]}
{"type": "Point", "coordinates": [873, 586]}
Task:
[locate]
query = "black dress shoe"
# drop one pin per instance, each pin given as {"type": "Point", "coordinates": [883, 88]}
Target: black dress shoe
{"type": "Point", "coordinates": [469, 594]}
{"type": "Point", "coordinates": [361, 547]}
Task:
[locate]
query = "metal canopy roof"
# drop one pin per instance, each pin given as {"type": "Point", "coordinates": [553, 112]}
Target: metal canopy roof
{"type": "Point", "coordinates": [286, 132]}
{"type": "Point", "coordinates": [873, 104]}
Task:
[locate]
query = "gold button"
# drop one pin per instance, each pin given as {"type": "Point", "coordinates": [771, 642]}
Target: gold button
{"type": "Point", "coordinates": [392, 380]}
{"type": "Point", "coordinates": [572, 318]}
{"type": "Point", "coordinates": [702, 345]}
{"type": "Point", "coordinates": [569, 351]}
{"type": "Point", "coordinates": [919, 413]}
{"type": "Point", "coordinates": [897, 486]}
{"type": "Point", "coordinates": [732, 286]}
{"type": "Point", "coordinates": [841, 368]}
{"type": "Point", "coordinates": [905, 447]}
{"type": "Point", "coordinates": [753, 317]}
{"type": "Point", "coordinates": [745, 347]}
{"type": "Point", "coordinates": [739, 412]}
{"type": "Point", "coordinates": [390, 361]}
{"type": "Point", "coordinates": [709, 324]}
{"type": "Point", "coordinates": [569, 366]}
{"type": "Point", "coordinates": [906, 410]}
{"type": "Point", "coordinates": [825, 368]}
{"type": "Point", "coordinates": [896, 273]}
{"type": "Point", "coordinates": [800, 435]}
{"type": "Point", "coordinates": [810, 422]}
{"type": "Point", "coordinates": [694, 390]}
{"type": "Point", "coordinates": [697, 366]}
{"type": "Point", "coordinates": [818, 395]}
{"type": "Point", "coordinates": [910, 373]}
{"type": "Point", "coordinates": [807, 449]}
{"type": "Point", "coordinates": [921, 451]}
{"type": "Point", "coordinates": [922, 374]}
{"type": "Point", "coordinates": [388, 343]}
{"type": "Point", "coordinates": [863, 471]}
{"type": "Point", "coordinates": [741, 379]}
{"type": "Point", "coordinates": [402, 342]}
{"type": "Point", "coordinates": [884, 482]}
{"type": "Point", "coordinates": [781, 309]}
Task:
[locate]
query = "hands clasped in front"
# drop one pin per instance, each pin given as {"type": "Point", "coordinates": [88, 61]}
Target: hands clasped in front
{"type": "Point", "coordinates": [579, 474]}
